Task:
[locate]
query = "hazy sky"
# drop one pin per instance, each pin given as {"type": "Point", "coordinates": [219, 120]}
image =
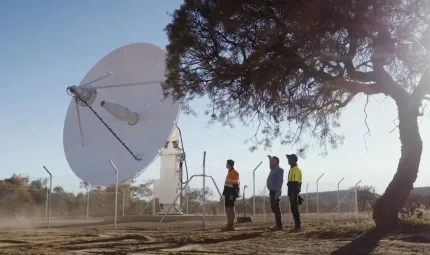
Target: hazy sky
{"type": "Point", "coordinates": [48, 45]}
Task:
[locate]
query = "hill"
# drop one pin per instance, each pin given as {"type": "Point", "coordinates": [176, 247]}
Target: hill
{"type": "Point", "coordinates": [331, 196]}
{"type": "Point", "coordinates": [328, 196]}
{"type": "Point", "coordinates": [421, 191]}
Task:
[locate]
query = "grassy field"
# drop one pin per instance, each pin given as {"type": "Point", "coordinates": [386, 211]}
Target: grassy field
{"type": "Point", "coordinates": [326, 237]}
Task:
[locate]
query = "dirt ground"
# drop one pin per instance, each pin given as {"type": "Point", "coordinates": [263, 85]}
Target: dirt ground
{"type": "Point", "coordinates": [188, 238]}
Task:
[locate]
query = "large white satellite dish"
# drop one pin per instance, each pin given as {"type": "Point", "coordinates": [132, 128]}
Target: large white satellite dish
{"type": "Point", "coordinates": [118, 113]}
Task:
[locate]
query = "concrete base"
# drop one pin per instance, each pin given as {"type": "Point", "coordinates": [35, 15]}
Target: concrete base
{"type": "Point", "coordinates": [168, 218]}
{"type": "Point", "coordinates": [171, 213]}
{"type": "Point", "coordinates": [244, 219]}
{"type": "Point", "coordinates": [165, 207]}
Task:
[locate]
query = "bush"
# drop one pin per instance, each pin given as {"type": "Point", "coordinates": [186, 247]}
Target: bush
{"type": "Point", "coordinates": [414, 210]}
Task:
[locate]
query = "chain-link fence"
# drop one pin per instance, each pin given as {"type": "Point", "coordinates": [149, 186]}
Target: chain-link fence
{"type": "Point", "coordinates": [93, 206]}
{"type": "Point", "coordinates": [316, 206]}
{"type": "Point", "coordinates": [25, 203]}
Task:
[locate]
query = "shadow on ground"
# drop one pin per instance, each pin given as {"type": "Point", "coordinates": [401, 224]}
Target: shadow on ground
{"type": "Point", "coordinates": [366, 243]}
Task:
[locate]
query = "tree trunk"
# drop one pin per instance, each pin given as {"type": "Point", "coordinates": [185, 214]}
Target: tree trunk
{"type": "Point", "coordinates": [387, 207]}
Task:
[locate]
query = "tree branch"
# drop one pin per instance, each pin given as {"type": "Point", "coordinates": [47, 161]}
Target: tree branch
{"type": "Point", "coordinates": [396, 125]}
{"type": "Point", "coordinates": [423, 88]}
{"type": "Point", "coordinates": [339, 103]}
{"type": "Point", "coordinates": [353, 87]}
{"type": "Point", "coordinates": [367, 125]}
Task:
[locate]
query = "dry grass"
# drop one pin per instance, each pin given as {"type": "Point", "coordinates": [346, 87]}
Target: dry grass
{"type": "Point", "coordinates": [326, 237]}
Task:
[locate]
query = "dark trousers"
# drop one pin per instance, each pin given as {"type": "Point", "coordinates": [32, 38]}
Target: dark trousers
{"type": "Point", "coordinates": [276, 209]}
{"type": "Point", "coordinates": [294, 206]}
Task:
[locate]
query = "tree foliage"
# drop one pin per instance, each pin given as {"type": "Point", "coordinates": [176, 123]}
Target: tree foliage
{"type": "Point", "coordinates": [415, 206]}
{"type": "Point", "coordinates": [19, 194]}
{"type": "Point", "coordinates": [27, 198]}
{"type": "Point", "coordinates": [292, 65]}
{"type": "Point", "coordinates": [193, 199]}
{"type": "Point", "coordinates": [366, 197]}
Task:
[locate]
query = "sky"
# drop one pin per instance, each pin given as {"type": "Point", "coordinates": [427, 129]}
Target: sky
{"type": "Point", "coordinates": [49, 45]}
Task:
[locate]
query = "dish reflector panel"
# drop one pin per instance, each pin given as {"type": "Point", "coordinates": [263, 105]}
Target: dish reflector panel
{"type": "Point", "coordinates": [119, 114]}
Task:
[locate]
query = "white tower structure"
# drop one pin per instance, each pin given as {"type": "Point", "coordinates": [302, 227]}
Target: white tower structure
{"type": "Point", "coordinates": [167, 188]}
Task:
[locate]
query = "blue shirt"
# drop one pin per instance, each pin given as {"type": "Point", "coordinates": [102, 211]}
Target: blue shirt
{"type": "Point", "coordinates": [275, 180]}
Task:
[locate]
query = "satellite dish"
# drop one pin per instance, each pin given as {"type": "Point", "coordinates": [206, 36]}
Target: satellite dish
{"type": "Point", "coordinates": [119, 113]}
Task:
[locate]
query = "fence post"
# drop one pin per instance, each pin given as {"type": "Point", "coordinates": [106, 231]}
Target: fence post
{"type": "Point", "coordinates": [307, 206]}
{"type": "Point", "coordinates": [338, 195]}
{"type": "Point", "coordinates": [123, 202]}
{"type": "Point", "coordinates": [204, 188]}
{"type": "Point", "coordinates": [318, 205]}
{"type": "Point", "coordinates": [116, 192]}
{"type": "Point", "coordinates": [356, 199]}
{"type": "Point", "coordinates": [264, 203]}
{"type": "Point", "coordinates": [253, 181]}
{"type": "Point", "coordinates": [244, 205]}
{"type": "Point", "coordinates": [49, 197]}
{"type": "Point", "coordinates": [88, 202]}
{"type": "Point", "coordinates": [187, 202]}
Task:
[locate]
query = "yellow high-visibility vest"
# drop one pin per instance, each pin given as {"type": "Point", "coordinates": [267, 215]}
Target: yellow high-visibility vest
{"type": "Point", "coordinates": [295, 174]}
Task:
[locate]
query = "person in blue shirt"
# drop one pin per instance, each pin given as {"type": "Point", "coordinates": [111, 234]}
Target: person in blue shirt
{"type": "Point", "coordinates": [275, 181]}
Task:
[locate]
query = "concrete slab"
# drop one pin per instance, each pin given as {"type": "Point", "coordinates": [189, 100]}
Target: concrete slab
{"type": "Point", "coordinates": [157, 218]}
{"type": "Point", "coordinates": [244, 219]}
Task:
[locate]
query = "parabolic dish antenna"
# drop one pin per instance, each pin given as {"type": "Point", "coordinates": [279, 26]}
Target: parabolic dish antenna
{"type": "Point", "coordinates": [118, 113]}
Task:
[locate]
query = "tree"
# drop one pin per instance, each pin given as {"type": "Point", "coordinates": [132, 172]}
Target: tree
{"type": "Point", "coordinates": [58, 189]}
{"type": "Point", "coordinates": [85, 185]}
{"type": "Point", "coordinates": [19, 194]}
{"type": "Point", "coordinates": [143, 190]}
{"type": "Point", "coordinates": [36, 184]}
{"type": "Point", "coordinates": [293, 65]}
{"type": "Point", "coordinates": [366, 195]}
{"type": "Point", "coordinates": [37, 191]}
{"type": "Point", "coordinates": [15, 196]}
{"type": "Point", "coordinates": [195, 198]}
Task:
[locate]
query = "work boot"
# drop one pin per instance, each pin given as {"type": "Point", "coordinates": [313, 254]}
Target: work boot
{"type": "Point", "coordinates": [277, 228]}
{"type": "Point", "coordinates": [296, 229]}
{"type": "Point", "coordinates": [229, 227]}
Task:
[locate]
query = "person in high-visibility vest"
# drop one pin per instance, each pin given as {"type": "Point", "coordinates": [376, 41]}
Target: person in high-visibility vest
{"type": "Point", "coordinates": [294, 187]}
{"type": "Point", "coordinates": [231, 193]}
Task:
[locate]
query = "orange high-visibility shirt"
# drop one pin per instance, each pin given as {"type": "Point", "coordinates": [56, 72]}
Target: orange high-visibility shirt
{"type": "Point", "coordinates": [232, 182]}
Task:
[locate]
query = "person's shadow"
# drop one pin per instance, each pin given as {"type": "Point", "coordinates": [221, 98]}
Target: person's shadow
{"type": "Point", "coordinates": [366, 243]}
